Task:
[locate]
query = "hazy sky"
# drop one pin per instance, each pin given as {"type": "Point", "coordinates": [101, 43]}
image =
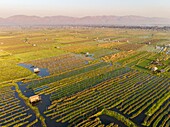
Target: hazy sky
{"type": "Point", "coordinates": [80, 8]}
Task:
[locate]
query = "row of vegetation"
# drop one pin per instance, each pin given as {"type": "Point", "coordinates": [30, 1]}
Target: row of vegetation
{"type": "Point", "coordinates": [118, 116]}
{"type": "Point", "coordinates": [13, 112]}
{"type": "Point", "coordinates": [90, 69]}
{"type": "Point", "coordinates": [95, 122]}
{"type": "Point", "coordinates": [61, 63]}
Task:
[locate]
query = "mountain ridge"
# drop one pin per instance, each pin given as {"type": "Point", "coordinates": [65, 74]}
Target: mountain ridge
{"type": "Point", "coordinates": [86, 20]}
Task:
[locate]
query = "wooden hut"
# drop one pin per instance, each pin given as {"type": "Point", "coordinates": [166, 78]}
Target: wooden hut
{"type": "Point", "coordinates": [34, 99]}
{"type": "Point", "coordinates": [154, 69]}
{"type": "Point", "coordinates": [36, 70]}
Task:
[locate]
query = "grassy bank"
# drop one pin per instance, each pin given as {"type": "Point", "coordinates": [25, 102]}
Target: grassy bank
{"type": "Point", "coordinates": [35, 109]}
{"type": "Point", "coordinates": [118, 116]}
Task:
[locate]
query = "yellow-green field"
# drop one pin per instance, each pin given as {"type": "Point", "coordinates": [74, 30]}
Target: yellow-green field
{"type": "Point", "coordinates": [104, 71]}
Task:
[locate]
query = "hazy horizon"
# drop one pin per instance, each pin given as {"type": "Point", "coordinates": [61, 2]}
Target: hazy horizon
{"type": "Point", "coordinates": [83, 16]}
{"type": "Point", "coordinates": [77, 8]}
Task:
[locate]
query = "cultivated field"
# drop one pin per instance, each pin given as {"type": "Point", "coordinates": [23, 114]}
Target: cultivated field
{"type": "Point", "coordinates": [89, 77]}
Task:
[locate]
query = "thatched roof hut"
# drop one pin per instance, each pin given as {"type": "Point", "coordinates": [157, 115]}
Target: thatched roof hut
{"type": "Point", "coordinates": [36, 70]}
{"type": "Point", "coordinates": [34, 99]}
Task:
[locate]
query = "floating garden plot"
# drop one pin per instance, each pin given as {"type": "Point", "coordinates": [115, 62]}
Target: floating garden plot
{"type": "Point", "coordinates": [87, 77]}
{"type": "Point", "coordinates": [132, 94]}
{"type": "Point", "coordinates": [13, 111]}
{"type": "Point", "coordinates": [61, 63]}
{"type": "Point", "coordinates": [95, 122]}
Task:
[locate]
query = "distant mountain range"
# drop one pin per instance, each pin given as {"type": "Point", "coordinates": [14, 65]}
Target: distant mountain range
{"type": "Point", "coordinates": [88, 20]}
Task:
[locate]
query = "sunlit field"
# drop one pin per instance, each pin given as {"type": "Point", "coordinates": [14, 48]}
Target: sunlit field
{"type": "Point", "coordinates": [89, 77]}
